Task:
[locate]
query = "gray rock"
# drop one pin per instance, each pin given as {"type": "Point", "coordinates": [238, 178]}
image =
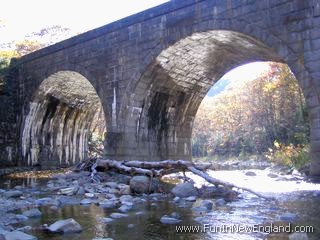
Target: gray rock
{"type": "Point", "coordinates": [298, 236]}
{"type": "Point", "coordinates": [191, 199]}
{"type": "Point", "coordinates": [81, 191]}
{"type": "Point", "coordinates": [21, 218]}
{"type": "Point", "coordinates": [272, 175]}
{"type": "Point", "coordinates": [118, 215]}
{"type": "Point", "coordinates": [44, 201]}
{"type": "Point", "coordinates": [13, 194]}
{"type": "Point", "coordinates": [108, 203]}
{"type": "Point", "coordinates": [111, 184]}
{"type": "Point", "coordinates": [220, 202]}
{"type": "Point", "coordinates": [17, 235]}
{"type": "Point", "coordinates": [65, 226]}
{"type": "Point", "coordinates": [185, 190]}
{"type": "Point", "coordinates": [32, 213]}
{"type": "Point", "coordinates": [126, 198]}
{"type": "Point", "coordinates": [250, 173]}
{"type": "Point", "coordinates": [169, 220]}
{"type": "Point", "coordinates": [140, 184]}
{"type": "Point", "coordinates": [90, 195]}
{"type": "Point", "coordinates": [176, 199]}
{"type": "Point", "coordinates": [130, 225]}
{"type": "Point", "coordinates": [86, 201]}
{"type": "Point", "coordinates": [125, 208]}
{"type": "Point", "coordinates": [106, 220]}
{"type": "Point", "coordinates": [124, 189]}
{"type": "Point", "coordinates": [207, 204]}
{"type": "Point", "coordinates": [68, 191]}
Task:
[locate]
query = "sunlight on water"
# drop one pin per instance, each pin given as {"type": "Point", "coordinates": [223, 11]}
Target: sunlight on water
{"type": "Point", "coordinates": [261, 182]}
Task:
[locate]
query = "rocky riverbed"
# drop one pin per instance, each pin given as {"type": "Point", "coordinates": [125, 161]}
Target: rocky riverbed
{"type": "Point", "coordinates": [70, 205]}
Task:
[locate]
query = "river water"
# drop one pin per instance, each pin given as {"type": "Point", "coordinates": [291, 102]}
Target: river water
{"type": "Point", "coordinates": [296, 201]}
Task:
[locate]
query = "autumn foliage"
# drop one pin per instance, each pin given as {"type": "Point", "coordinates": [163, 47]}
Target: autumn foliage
{"type": "Point", "coordinates": [251, 116]}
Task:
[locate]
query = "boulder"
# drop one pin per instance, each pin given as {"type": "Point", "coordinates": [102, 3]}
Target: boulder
{"type": "Point", "coordinates": [32, 213]}
{"type": "Point", "coordinates": [140, 184]}
{"type": "Point", "coordinates": [65, 226]}
{"type": "Point", "coordinates": [184, 190]}
{"type": "Point", "coordinates": [17, 235]}
{"type": "Point", "coordinates": [169, 220]}
{"type": "Point", "coordinates": [207, 204]}
{"type": "Point", "coordinates": [13, 194]}
{"type": "Point", "coordinates": [108, 203]}
{"type": "Point", "coordinates": [118, 215]}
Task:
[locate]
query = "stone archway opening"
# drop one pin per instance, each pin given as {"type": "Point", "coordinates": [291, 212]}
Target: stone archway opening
{"type": "Point", "coordinates": [162, 106]}
{"type": "Point", "coordinates": [64, 123]}
{"type": "Point", "coordinates": [256, 111]}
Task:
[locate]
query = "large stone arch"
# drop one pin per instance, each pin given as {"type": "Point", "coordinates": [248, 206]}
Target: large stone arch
{"type": "Point", "coordinates": [57, 124]}
{"type": "Point", "coordinates": [162, 105]}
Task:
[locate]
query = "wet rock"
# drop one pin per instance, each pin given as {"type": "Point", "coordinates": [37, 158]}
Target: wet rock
{"type": "Point", "coordinates": [130, 225]}
{"type": "Point", "coordinates": [272, 175]}
{"type": "Point", "coordinates": [207, 204]}
{"type": "Point", "coordinates": [65, 226]}
{"type": "Point", "coordinates": [13, 194]}
{"type": "Point", "coordinates": [47, 201]}
{"type": "Point", "coordinates": [111, 184]}
{"type": "Point", "coordinates": [18, 235]}
{"type": "Point", "coordinates": [169, 220]}
{"type": "Point", "coordinates": [191, 199]}
{"type": "Point", "coordinates": [106, 220]}
{"type": "Point", "coordinates": [298, 236]}
{"type": "Point", "coordinates": [24, 229]}
{"type": "Point", "coordinates": [81, 191]}
{"type": "Point", "coordinates": [68, 191]}
{"type": "Point", "coordinates": [185, 190]}
{"type": "Point", "coordinates": [118, 215]}
{"type": "Point", "coordinates": [125, 208]}
{"type": "Point", "coordinates": [289, 217]}
{"type": "Point", "coordinates": [32, 213]}
{"type": "Point", "coordinates": [200, 219]}
{"type": "Point", "coordinates": [140, 184]}
{"type": "Point", "coordinates": [176, 199]}
{"type": "Point", "coordinates": [108, 203]}
{"type": "Point", "coordinates": [126, 198]}
{"type": "Point", "coordinates": [90, 195]}
{"type": "Point", "coordinates": [21, 218]}
{"type": "Point", "coordinates": [86, 201]}
{"type": "Point", "coordinates": [124, 189]}
{"type": "Point", "coordinates": [220, 202]}
{"type": "Point", "coordinates": [250, 173]}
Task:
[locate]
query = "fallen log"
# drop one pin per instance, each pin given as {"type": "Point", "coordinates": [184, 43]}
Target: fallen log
{"type": "Point", "coordinates": [161, 168]}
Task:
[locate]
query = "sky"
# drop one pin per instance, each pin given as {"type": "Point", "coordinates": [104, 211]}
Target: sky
{"type": "Point", "coordinates": [21, 17]}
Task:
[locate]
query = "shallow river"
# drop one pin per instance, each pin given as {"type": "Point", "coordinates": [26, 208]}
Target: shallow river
{"type": "Point", "coordinates": [296, 201]}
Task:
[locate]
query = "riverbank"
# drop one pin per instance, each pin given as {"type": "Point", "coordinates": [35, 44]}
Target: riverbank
{"type": "Point", "coordinates": [31, 202]}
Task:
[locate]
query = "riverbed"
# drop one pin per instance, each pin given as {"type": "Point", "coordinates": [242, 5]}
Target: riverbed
{"type": "Point", "coordinates": [295, 202]}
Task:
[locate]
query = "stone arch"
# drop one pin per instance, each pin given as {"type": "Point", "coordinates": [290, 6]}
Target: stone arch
{"type": "Point", "coordinates": [56, 129]}
{"type": "Point", "coordinates": [160, 110]}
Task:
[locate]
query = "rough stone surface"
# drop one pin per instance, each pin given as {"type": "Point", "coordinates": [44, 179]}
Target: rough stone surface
{"type": "Point", "coordinates": [184, 190]}
{"type": "Point", "coordinates": [140, 184]}
{"type": "Point", "coordinates": [169, 220]}
{"type": "Point", "coordinates": [150, 88]}
{"type": "Point", "coordinates": [17, 235]}
{"type": "Point", "coordinates": [13, 194]}
{"type": "Point", "coordinates": [65, 226]}
{"type": "Point", "coordinates": [32, 213]}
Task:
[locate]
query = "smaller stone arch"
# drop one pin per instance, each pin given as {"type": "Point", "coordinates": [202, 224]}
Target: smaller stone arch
{"type": "Point", "coordinates": [61, 117]}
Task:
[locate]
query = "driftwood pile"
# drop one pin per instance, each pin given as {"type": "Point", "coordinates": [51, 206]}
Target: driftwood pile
{"type": "Point", "coordinates": [156, 169]}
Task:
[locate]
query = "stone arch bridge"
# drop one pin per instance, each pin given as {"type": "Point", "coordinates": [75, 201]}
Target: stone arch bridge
{"type": "Point", "coordinates": [150, 71]}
